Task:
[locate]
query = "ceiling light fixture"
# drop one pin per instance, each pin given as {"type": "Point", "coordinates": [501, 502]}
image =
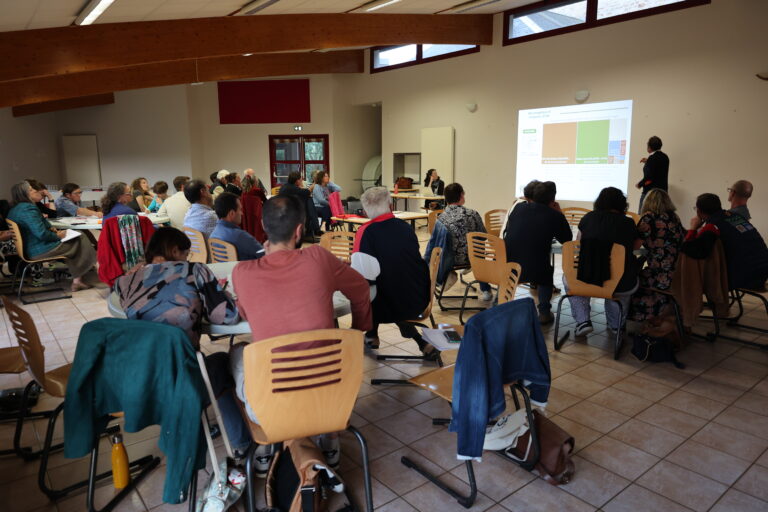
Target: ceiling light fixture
{"type": "Point", "coordinates": [254, 7]}
{"type": "Point", "coordinates": [91, 11]}
{"type": "Point", "coordinates": [375, 5]}
{"type": "Point", "coordinates": [468, 6]}
{"type": "Point", "coordinates": [247, 54]}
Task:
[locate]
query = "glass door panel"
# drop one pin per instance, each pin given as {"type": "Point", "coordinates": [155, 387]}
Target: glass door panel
{"type": "Point", "coordinates": [305, 154]}
{"type": "Point", "coordinates": [280, 172]}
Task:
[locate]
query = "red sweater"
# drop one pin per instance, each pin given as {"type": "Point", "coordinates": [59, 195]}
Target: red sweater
{"type": "Point", "coordinates": [292, 291]}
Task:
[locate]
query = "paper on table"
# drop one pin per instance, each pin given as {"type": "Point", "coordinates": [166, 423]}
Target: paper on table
{"type": "Point", "coordinates": [437, 339]}
{"type": "Point", "coordinates": [71, 233]}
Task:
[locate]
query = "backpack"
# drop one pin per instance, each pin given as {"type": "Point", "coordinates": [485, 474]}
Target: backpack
{"type": "Point", "coordinates": [299, 479]}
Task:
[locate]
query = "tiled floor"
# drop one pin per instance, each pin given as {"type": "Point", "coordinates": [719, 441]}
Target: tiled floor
{"type": "Point", "coordinates": [648, 436]}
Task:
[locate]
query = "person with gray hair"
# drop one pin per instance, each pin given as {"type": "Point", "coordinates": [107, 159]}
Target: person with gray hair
{"type": "Point", "coordinates": [738, 195]}
{"type": "Point", "coordinates": [42, 241]}
{"type": "Point", "coordinates": [402, 286]}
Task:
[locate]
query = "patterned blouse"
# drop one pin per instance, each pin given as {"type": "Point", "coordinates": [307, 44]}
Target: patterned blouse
{"type": "Point", "coordinates": [176, 293]}
{"type": "Point", "coordinates": [459, 221]}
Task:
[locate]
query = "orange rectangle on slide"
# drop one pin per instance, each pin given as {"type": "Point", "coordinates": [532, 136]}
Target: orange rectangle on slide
{"type": "Point", "coordinates": [559, 146]}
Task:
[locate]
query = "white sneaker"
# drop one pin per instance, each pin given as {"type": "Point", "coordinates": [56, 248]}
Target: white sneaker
{"type": "Point", "coordinates": [583, 329]}
{"type": "Point", "coordinates": [331, 449]}
{"type": "Point", "coordinates": [487, 296]}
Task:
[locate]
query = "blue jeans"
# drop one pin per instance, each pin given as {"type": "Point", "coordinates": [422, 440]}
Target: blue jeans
{"type": "Point", "coordinates": [545, 297]}
{"type": "Point", "coordinates": [485, 287]}
{"type": "Point", "coordinates": [222, 383]}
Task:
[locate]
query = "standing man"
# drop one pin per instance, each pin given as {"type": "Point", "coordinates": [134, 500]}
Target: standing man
{"type": "Point", "coordinates": [655, 170]}
{"type": "Point", "coordinates": [738, 195]}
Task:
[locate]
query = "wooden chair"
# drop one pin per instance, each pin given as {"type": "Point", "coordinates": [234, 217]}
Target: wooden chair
{"type": "Point", "coordinates": [339, 243]}
{"type": "Point", "coordinates": [634, 216]}
{"type": "Point", "coordinates": [221, 251]}
{"type": "Point", "coordinates": [54, 383]}
{"type": "Point", "coordinates": [298, 392]}
{"type": "Point", "coordinates": [574, 215]}
{"type": "Point", "coordinates": [431, 219]}
{"type": "Point", "coordinates": [508, 286]}
{"type": "Point", "coordinates": [19, 241]}
{"type": "Point", "coordinates": [198, 252]}
{"type": "Point", "coordinates": [488, 259]}
{"type": "Point", "coordinates": [578, 288]}
{"type": "Point", "coordinates": [11, 361]}
{"type": "Point", "coordinates": [494, 219]}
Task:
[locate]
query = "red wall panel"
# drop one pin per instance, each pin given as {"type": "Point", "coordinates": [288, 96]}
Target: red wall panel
{"type": "Point", "coordinates": [264, 101]}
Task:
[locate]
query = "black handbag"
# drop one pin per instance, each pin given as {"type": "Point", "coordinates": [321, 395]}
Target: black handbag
{"type": "Point", "coordinates": [654, 350]}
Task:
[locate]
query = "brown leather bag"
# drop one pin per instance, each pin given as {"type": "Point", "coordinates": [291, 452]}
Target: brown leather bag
{"type": "Point", "coordinates": [556, 449]}
{"type": "Point", "coordinates": [403, 182]}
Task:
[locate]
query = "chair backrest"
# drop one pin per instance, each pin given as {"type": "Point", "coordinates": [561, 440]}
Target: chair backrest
{"type": "Point", "coordinates": [198, 252]}
{"type": "Point", "coordinates": [582, 289]}
{"type": "Point", "coordinates": [339, 243]}
{"type": "Point", "coordinates": [28, 339]}
{"type": "Point", "coordinates": [494, 219]}
{"type": "Point", "coordinates": [17, 239]}
{"type": "Point", "coordinates": [431, 219]}
{"type": "Point", "coordinates": [434, 267]}
{"type": "Point", "coordinates": [508, 286]}
{"type": "Point", "coordinates": [275, 191]}
{"type": "Point", "coordinates": [487, 257]}
{"type": "Point", "coordinates": [300, 392]}
{"type": "Point", "coordinates": [634, 216]}
{"type": "Point", "coordinates": [221, 251]}
{"type": "Point", "coordinates": [574, 215]}
{"type": "Point", "coordinates": [334, 201]}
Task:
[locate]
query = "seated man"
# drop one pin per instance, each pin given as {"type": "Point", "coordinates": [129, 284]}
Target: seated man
{"type": "Point", "coordinates": [527, 198]}
{"type": "Point", "coordinates": [403, 285]}
{"type": "Point", "coordinates": [291, 290]}
{"type": "Point", "coordinates": [229, 210]}
{"type": "Point", "coordinates": [176, 206]}
{"type": "Point", "coordinates": [295, 187]}
{"type": "Point", "coordinates": [738, 195]}
{"type": "Point", "coordinates": [460, 220]}
{"type": "Point", "coordinates": [530, 230]}
{"type": "Point", "coordinates": [200, 215]}
{"type": "Point", "coordinates": [746, 254]}
{"type": "Point", "coordinates": [68, 203]}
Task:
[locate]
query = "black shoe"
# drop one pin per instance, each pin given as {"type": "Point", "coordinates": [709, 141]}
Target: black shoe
{"type": "Point", "coordinates": [546, 317]}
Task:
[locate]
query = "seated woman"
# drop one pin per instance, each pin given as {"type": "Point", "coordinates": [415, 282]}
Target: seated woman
{"type": "Point", "coordinates": [43, 241]}
{"type": "Point", "coordinates": [607, 224]}
{"type": "Point", "coordinates": [141, 197]}
{"type": "Point", "coordinates": [46, 205]}
{"type": "Point", "coordinates": [116, 200]}
{"type": "Point", "coordinates": [173, 291]}
{"type": "Point", "coordinates": [160, 189]}
{"type": "Point", "coordinates": [322, 189]}
{"type": "Point", "coordinates": [662, 234]}
{"type": "Point", "coordinates": [437, 186]}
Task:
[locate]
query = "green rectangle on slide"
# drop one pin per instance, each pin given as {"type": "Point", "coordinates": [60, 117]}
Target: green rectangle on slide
{"type": "Point", "coordinates": [592, 142]}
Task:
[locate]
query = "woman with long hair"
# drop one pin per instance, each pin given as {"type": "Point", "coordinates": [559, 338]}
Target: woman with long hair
{"type": "Point", "coordinates": [42, 241]}
{"type": "Point", "coordinates": [142, 197]}
{"type": "Point", "coordinates": [437, 186]}
{"type": "Point", "coordinates": [115, 201]}
{"type": "Point", "coordinates": [322, 189]}
{"type": "Point", "coordinates": [662, 234]}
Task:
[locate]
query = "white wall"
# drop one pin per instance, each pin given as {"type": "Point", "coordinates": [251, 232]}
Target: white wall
{"type": "Point", "coordinates": [28, 149]}
{"type": "Point", "coordinates": [144, 133]}
{"type": "Point", "coordinates": [690, 73]}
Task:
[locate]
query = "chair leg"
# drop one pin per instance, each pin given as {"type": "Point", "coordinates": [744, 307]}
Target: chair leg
{"type": "Point", "coordinates": [249, 486]}
{"type": "Point", "coordinates": [559, 342]}
{"type": "Point", "coordinates": [464, 501]}
{"type": "Point", "coordinates": [617, 349]}
{"type": "Point", "coordinates": [26, 453]}
{"type": "Point", "coordinates": [366, 468]}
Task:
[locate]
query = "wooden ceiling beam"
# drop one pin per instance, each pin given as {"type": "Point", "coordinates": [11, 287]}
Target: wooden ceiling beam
{"type": "Point", "coordinates": [47, 89]}
{"type": "Point", "coordinates": [53, 106]}
{"type": "Point", "coordinates": [57, 51]}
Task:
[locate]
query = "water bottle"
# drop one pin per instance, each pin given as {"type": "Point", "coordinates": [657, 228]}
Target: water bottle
{"type": "Point", "coordinates": [120, 474]}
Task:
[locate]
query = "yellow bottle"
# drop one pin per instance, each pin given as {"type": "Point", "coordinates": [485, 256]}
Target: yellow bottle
{"type": "Point", "coordinates": [120, 474]}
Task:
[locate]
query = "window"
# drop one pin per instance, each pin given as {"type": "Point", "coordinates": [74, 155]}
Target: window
{"type": "Point", "coordinates": [553, 17]}
{"type": "Point", "coordinates": [306, 154]}
{"type": "Point", "coordinates": [393, 57]}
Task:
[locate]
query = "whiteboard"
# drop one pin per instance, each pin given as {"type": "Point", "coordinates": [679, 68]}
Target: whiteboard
{"type": "Point", "coordinates": [437, 151]}
{"type": "Point", "coordinates": [80, 154]}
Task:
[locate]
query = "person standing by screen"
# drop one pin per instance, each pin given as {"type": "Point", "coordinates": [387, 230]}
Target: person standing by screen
{"type": "Point", "coordinates": [655, 170]}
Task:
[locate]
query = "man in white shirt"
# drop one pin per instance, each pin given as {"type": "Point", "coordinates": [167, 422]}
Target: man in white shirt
{"type": "Point", "coordinates": [176, 206]}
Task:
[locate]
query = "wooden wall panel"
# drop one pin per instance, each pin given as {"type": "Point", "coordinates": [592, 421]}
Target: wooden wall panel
{"type": "Point", "coordinates": [58, 51]}
{"type": "Point", "coordinates": [46, 89]}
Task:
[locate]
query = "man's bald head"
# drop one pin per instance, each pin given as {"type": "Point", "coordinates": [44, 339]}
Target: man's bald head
{"type": "Point", "coordinates": [742, 189]}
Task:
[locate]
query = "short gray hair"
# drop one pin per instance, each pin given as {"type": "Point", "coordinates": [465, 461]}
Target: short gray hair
{"type": "Point", "coordinates": [376, 201]}
{"type": "Point", "coordinates": [20, 193]}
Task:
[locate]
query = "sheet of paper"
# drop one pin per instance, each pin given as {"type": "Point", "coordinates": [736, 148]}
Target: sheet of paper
{"type": "Point", "coordinates": [437, 339]}
{"type": "Point", "coordinates": [71, 233]}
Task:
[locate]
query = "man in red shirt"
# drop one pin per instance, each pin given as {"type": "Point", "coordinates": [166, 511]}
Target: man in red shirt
{"type": "Point", "coordinates": [290, 289]}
